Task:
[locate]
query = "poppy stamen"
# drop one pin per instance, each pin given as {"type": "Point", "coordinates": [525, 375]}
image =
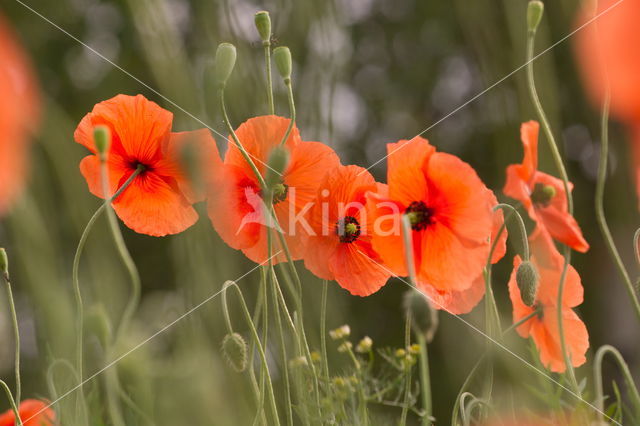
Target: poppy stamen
{"type": "Point", "coordinates": [420, 216]}
{"type": "Point", "coordinates": [280, 192]}
{"type": "Point", "coordinates": [348, 229]}
{"type": "Point", "coordinates": [542, 194]}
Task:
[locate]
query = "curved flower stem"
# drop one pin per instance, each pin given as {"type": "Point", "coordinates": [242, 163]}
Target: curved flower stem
{"type": "Point", "coordinates": [237, 142]}
{"type": "Point", "coordinates": [76, 282]}
{"type": "Point", "coordinates": [16, 335]}
{"type": "Point", "coordinates": [597, 378]}
{"type": "Point", "coordinates": [323, 329]}
{"type": "Point", "coordinates": [521, 227]}
{"type": "Point", "coordinates": [602, 220]}
{"type": "Point", "coordinates": [407, 384]}
{"type": "Point", "coordinates": [12, 402]}
{"type": "Point", "coordinates": [267, 59]}
{"type": "Point", "coordinates": [292, 111]}
{"type": "Point", "coordinates": [254, 332]}
{"type": "Point", "coordinates": [123, 252]}
{"type": "Point", "coordinates": [636, 249]}
{"type": "Point", "coordinates": [565, 182]}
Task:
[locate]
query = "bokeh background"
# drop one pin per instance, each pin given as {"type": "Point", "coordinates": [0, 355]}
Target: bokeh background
{"type": "Point", "coordinates": [366, 72]}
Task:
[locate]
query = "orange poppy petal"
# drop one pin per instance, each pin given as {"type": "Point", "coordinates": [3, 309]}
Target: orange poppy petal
{"type": "Point", "coordinates": [547, 338]}
{"type": "Point", "coordinates": [456, 302]}
{"type": "Point", "coordinates": [386, 237]}
{"type": "Point", "coordinates": [90, 169]}
{"type": "Point", "coordinates": [154, 206]}
{"type": "Point", "coordinates": [518, 189]}
{"type": "Point", "coordinates": [529, 137]}
{"type": "Point", "coordinates": [405, 160]}
{"type": "Point", "coordinates": [32, 409]}
{"type": "Point", "coordinates": [358, 269]}
{"type": "Point", "coordinates": [501, 245]}
{"type": "Point", "coordinates": [316, 258]}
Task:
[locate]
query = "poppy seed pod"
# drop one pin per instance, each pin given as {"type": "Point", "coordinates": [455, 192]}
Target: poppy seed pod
{"type": "Point", "coordinates": [4, 261]}
{"type": "Point", "coordinates": [424, 319]}
{"type": "Point", "coordinates": [527, 280]}
{"type": "Point", "coordinates": [282, 57]}
{"type": "Point", "coordinates": [234, 349]}
{"type": "Point", "coordinates": [102, 141]}
{"type": "Point", "coordinates": [263, 25]}
{"type": "Point", "coordinates": [225, 61]}
{"type": "Point", "coordinates": [534, 14]}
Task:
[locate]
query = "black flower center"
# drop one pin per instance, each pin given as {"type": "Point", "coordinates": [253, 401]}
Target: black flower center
{"type": "Point", "coordinates": [420, 216]}
{"type": "Point", "coordinates": [348, 229]}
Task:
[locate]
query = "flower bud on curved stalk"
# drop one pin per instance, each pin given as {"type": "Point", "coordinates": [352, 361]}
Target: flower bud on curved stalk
{"type": "Point", "coordinates": [263, 25]}
{"type": "Point", "coordinates": [234, 349]}
{"type": "Point", "coordinates": [424, 319]}
{"type": "Point", "coordinates": [282, 57]}
{"type": "Point", "coordinates": [225, 61]}
{"type": "Point", "coordinates": [527, 280]}
{"type": "Point", "coordinates": [535, 11]}
{"type": "Point", "coordinates": [102, 141]}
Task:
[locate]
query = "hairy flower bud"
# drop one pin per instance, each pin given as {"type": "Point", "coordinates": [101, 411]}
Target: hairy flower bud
{"type": "Point", "coordinates": [234, 349]}
{"type": "Point", "coordinates": [225, 61]}
{"type": "Point", "coordinates": [282, 57]}
{"type": "Point", "coordinates": [263, 25]}
{"type": "Point", "coordinates": [527, 280]}
{"type": "Point", "coordinates": [424, 319]}
{"type": "Point", "coordinates": [4, 262]}
{"type": "Point", "coordinates": [278, 162]}
{"type": "Point", "coordinates": [102, 141]}
{"type": "Point", "coordinates": [534, 14]}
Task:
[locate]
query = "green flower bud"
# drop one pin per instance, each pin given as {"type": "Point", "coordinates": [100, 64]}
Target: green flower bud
{"type": "Point", "coordinates": [527, 280]}
{"type": "Point", "coordinates": [282, 57]}
{"type": "Point", "coordinates": [102, 141]}
{"type": "Point", "coordinates": [424, 318]}
{"type": "Point", "coordinates": [278, 162]}
{"type": "Point", "coordinates": [234, 349]}
{"type": "Point", "coordinates": [535, 11]}
{"type": "Point", "coordinates": [4, 262]}
{"type": "Point", "coordinates": [225, 61]}
{"type": "Point", "coordinates": [263, 24]}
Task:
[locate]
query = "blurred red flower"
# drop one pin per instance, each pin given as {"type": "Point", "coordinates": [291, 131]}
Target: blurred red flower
{"type": "Point", "coordinates": [339, 247]}
{"type": "Point", "coordinates": [541, 194]}
{"type": "Point", "coordinates": [450, 210]}
{"type": "Point", "coordinates": [543, 328]}
{"type": "Point", "coordinates": [235, 203]}
{"type": "Point", "coordinates": [33, 412]}
{"type": "Point", "coordinates": [159, 200]}
{"type": "Point", "coordinates": [19, 113]}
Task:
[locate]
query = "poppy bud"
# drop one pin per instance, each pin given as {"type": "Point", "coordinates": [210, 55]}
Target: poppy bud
{"type": "Point", "coordinates": [534, 14]}
{"type": "Point", "coordinates": [424, 319]}
{"type": "Point", "coordinates": [263, 24]}
{"type": "Point", "coordinates": [102, 141]}
{"type": "Point", "coordinates": [4, 262]}
{"type": "Point", "coordinates": [234, 349]}
{"type": "Point", "coordinates": [282, 57]}
{"type": "Point", "coordinates": [278, 162]}
{"type": "Point", "coordinates": [225, 61]}
{"type": "Point", "coordinates": [527, 280]}
{"type": "Point", "coordinates": [364, 346]}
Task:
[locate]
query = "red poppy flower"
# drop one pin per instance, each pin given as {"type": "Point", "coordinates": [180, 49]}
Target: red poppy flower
{"type": "Point", "coordinates": [34, 410]}
{"type": "Point", "coordinates": [19, 111]}
{"type": "Point", "coordinates": [339, 245]}
{"type": "Point", "coordinates": [159, 200]}
{"type": "Point", "coordinates": [541, 194]}
{"type": "Point", "coordinates": [236, 207]}
{"type": "Point", "coordinates": [543, 328]}
{"type": "Point", "coordinates": [450, 210]}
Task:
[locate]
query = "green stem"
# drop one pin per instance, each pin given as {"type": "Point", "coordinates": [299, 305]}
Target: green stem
{"type": "Point", "coordinates": [267, 58]}
{"type": "Point", "coordinates": [16, 335]}
{"type": "Point", "coordinates": [323, 329]}
{"type": "Point", "coordinates": [407, 380]}
{"type": "Point", "coordinates": [292, 111]}
{"type": "Point", "coordinates": [12, 402]}
{"type": "Point", "coordinates": [600, 215]}
{"type": "Point", "coordinates": [425, 380]}
{"type": "Point", "coordinates": [364, 417]}
{"type": "Point", "coordinates": [263, 358]}
{"type": "Point", "coordinates": [113, 405]}
{"type": "Point", "coordinates": [597, 378]}
{"type": "Point", "coordinates": [521, 227]}
{"type": "Point", "coordinates": [565, 182]}
{"type": "Point", "coordinates": [636, 249]}
{"type": "Point", "coordinates": [283, 350]}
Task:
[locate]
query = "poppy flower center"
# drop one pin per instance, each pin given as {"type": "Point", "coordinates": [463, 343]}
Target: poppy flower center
{"type": "Point", "coordinates": [420, 216]}
{"type": "Point", "coordinates": [542, 194]}
{"type": "Point", "coordinates": [280, 191]}
{"type": "Point", "coordinates": [348, 229]}
{"type": "Point", "coordinates": [138, 165]}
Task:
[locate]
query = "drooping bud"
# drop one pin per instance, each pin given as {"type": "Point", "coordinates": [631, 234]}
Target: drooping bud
{"type": "Point", "coordinates": [535, 9]}
{"type": "Point", "coordinates": [364, 346]}
{"type": "Point", "coordinates": [234, 349]}
{"type": "Point", "coordinates": [282, 57]}
{"type": "Point", "coordinates": [102, 141]}
{"type": "Point", "coordinates": [340, 332]}
{"type": "Point", "coordinates": [225, 61]}
{"type": "Point", "coordinates": [424, 318]}
{"type": "Point", "coordinates": [527, 280]}
{"type": "Point", "coordinates": [4, 262]}
{"type": "Point", "coordinates": [263, 25]}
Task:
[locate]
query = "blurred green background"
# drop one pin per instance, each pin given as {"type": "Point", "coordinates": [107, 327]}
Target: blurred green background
{"type": "Point", "coordinates": [366, 72]}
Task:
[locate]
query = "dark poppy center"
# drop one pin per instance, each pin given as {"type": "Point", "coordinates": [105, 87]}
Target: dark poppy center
{"type": "Point", "coordinates": [420, 216]}
{"type": "Point", "coordinates": [280, 192]}
{"type": "Point", "coordinates": [135, 165]}
{"type": "Point", "coordinates": [542, 194]}
{"type": "Point", "coordinates": [348, 229]}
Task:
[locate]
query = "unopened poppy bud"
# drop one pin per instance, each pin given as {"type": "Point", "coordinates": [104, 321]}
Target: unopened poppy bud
{"type": "Point", "coordinates": [263, 25]}
{"type": "Point", "coordinates": [4, 262]}
{"type": "Point", "coordinates": [278, 162]}
{"type": "Point", "coordinates": [234, 349]}
{"type": "Point", "coordinates": [364, 346]}
{"type": "Point", "coordinates": [102, 141]}
{"type": "Point", "coordinates": [534, 14]}
{"type": "Point", "coordinates": [282, 57]}
{"type": "Point", "coordinates": [340, 332]}
{"type": "Point", "coordinates": [424, 318]}
{"type": "Point", "coordinates": [225, 61]}
{"type": "Point", "coordinates": [527, 280]}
